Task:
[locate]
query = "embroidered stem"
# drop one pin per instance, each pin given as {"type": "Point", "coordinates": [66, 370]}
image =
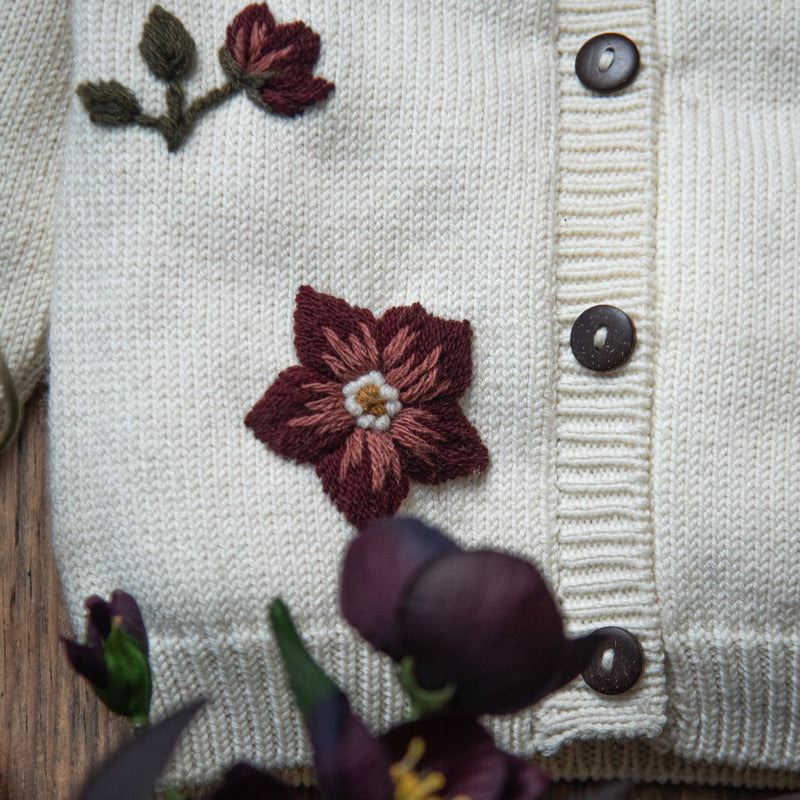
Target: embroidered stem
{"type": "Point", "coordinates": [179, 120]}
{"type": "Point", "coordinates": [211, 100]}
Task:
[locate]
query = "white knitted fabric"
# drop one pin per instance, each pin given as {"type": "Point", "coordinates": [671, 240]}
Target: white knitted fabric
{"type": "Point", "coordinates": [34, 74]}
{"type": "Point", "coordinates": [458, 164]}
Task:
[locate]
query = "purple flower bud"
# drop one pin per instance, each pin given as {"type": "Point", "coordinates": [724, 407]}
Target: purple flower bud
{"type": "Point", "coordinates": [114, 657]}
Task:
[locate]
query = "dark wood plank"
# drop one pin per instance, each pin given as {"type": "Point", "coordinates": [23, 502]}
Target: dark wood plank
{"type": "Point", "coordinates": [52, 730]}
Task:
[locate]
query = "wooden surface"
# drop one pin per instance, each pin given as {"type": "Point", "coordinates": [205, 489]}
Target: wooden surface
{"type": "Point", "coordinates": [52, 729]}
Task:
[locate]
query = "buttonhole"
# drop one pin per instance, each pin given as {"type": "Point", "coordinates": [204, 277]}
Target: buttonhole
{"type": "Point", "coordinates": [607, 661]}
{"type": "Point", "coordinates": [606, 59]}
{"type": "Point", "coordinates": [600, 336]}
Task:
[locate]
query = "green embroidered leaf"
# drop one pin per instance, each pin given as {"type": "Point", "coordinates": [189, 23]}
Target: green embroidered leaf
{"type": "Point", "coordinates": [109, 103]}
{"type": "Point", "coordinates": [229, 65]}
{"type": "Point", "coordinates": [166, 46]}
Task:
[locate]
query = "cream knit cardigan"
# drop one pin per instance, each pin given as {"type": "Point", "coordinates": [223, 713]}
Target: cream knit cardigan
{"type": "Point", "coordinates": [459, 164]}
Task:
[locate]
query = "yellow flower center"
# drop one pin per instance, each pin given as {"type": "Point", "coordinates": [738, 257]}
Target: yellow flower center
{"type": "Point", "coordinates": [409, 784]}
{"type": "Point", "coordinates": [371, 401]}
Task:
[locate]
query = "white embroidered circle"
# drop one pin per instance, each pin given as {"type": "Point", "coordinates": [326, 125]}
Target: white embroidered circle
{"type": "Point", "coordinates": [371, 401]}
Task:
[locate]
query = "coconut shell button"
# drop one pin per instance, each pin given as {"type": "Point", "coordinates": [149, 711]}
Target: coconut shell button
{"type": "Point", "coordinates": [607, 63]}
{"type": "Point", "coordinates": [617, 665]}
{"type": "Point", "coordinates": [603, 338]}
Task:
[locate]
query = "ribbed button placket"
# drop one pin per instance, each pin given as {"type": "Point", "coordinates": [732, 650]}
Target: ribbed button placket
{"type": "Point", "coordinates": [605, 255]}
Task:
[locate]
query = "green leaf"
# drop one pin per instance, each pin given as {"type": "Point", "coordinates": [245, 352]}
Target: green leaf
{"type": "Point", "coordinates": [308, 682]}
{"type": "Point", "coordinates": [109, 103]}
{"type": "Point", "coordinates": [423, 701]}
{"type": "Point", "coordinates": [131, 773]}
{"type": "Point", "coordinates": [229, 66]}
{"type": "Point", "coordinates": [129, 689]}
{"type": "Point", "coordinates": [166, 46]}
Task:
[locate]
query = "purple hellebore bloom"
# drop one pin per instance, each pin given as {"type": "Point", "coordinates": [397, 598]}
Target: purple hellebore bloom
{"type": "Point", "coordinates": [483, 620]}
{"type": "Point", "coordinates": [115, 637]}
{"type": "Point", "coordinates": [433, 757]}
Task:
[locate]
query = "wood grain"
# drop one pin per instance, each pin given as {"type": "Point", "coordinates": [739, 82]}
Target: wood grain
{"type": "Point", "coordinates": [53, 731]}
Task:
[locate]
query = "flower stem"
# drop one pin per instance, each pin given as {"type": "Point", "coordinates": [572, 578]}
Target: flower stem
{"type": "Point", "coordinates": [210, 100]}
{"type": "Point", "coordinates": [423, 701]}
{"type": "Point", "coordinates": [179, 120]}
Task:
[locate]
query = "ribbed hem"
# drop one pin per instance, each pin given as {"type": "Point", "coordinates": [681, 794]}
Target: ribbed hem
{"type": "Point", "coordinates": [605, 254]}
{"type": "Point", "coordinates": [733, 725]}
{"type": "Point", "coordinates": [244, 721]}
{"type": "Point", "coordinates": [736, 698]}
{"type": "Point", "coordinates": [646, 761]}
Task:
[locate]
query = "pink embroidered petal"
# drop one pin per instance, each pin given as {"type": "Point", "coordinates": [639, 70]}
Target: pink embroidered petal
{"type": "Point", "coordinates": [301, 416]}
{"type": "Point", "coordinates": [250, 29]}
{"type": "Point", "coordinates": [424, 356]}
{"type": "Point", "coordinates": [437, 442]}
{"type": "Point", "coordinates": [333, 337]}
{"type": "Point", "coordinates": [364, 477]}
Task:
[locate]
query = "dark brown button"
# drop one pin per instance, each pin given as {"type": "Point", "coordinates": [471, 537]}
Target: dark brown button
{"type": "Point", "coordinates": [617, 664]}
{"type": "Point", "coordinates": [607, 62]}
{"type": "Point", "coordinates": [603, 338]}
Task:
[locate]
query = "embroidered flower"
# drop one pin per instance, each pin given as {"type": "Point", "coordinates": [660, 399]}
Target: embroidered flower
{"type": "Point", "coordinates": [273, 63]}
{"type": "Point", "coordinates": [373, 403]}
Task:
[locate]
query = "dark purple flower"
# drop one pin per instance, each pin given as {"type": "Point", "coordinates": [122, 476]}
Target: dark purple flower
{"type": "Point", "coordinates": [273, 62]}
{"type": "Point", "coordinates": [244, 782]}
{"type": "Point", "coordinates": [114, 657]}
{"type": "Point", "coordinates": [433, 757]}
{"type": "Point", "coordinates": [482, 620]}
{"type": "Point", "coordinates": [436, 756]}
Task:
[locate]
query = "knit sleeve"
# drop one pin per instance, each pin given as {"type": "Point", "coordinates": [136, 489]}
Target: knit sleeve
{"type": "Point", "coordinates": [35, 76]}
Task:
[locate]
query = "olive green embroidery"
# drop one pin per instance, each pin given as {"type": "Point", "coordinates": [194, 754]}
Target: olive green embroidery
{"type": "Point", "coordinates": [271, 63]}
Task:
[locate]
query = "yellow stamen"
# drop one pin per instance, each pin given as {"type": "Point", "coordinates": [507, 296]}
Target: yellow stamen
{"type": "Point", "coordinates": [371, 401]}
{"type": "Point", "coordinates": [409, 784]}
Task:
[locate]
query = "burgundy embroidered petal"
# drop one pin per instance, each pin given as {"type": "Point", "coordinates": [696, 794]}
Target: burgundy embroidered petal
{"type": "Point", "coordinates": [301, 416]}
{"type": "Point", "coordinates": [364, 478]}
{"type": "Point", "coordinates": [437, 443]}
{"type": "Point", "coordinates": [272, 62]}
{"type": "Point", "coordinates": [290, 92]}
{"type": "Point", "coordinates": [425, 356]}
{"type": "Point", "coordinates": [333, 337]}
{"type": "Point", "coordinates": [359, 406]}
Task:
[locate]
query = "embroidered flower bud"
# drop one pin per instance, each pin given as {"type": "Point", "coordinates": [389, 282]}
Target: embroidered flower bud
{"type": "Point", "coordinates": [273, 63]}
{"type": "Point", "coordinates": [481, 621]}
{"type": "Point", "coordinates": [114, 658]}
{"type": "Point", "coordinates": [166, 46]}
{"type": "Point", "coordinates": [109, 102]}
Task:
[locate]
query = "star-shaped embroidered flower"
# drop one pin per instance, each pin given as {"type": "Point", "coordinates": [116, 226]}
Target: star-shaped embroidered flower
{"type": "Point", "coordinates": [373, 403]}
